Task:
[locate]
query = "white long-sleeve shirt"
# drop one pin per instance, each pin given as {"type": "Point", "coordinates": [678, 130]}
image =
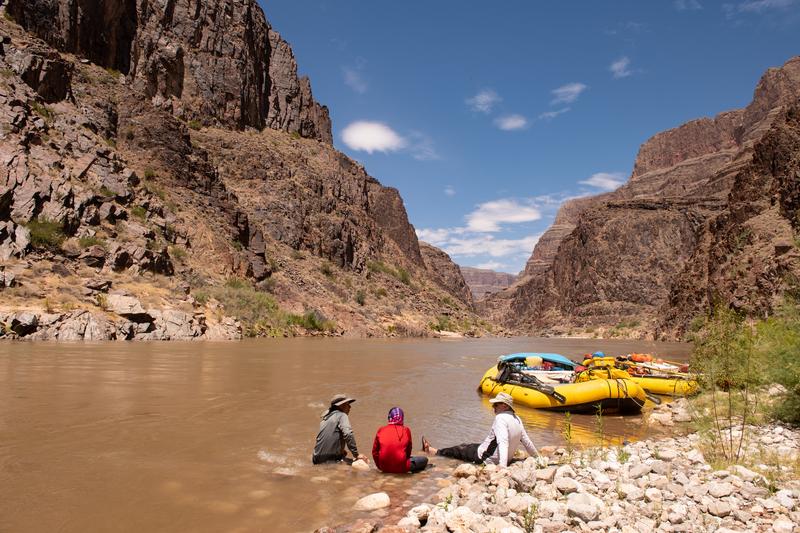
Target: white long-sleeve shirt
{"type": "Point", "coordinates": [507, 433]}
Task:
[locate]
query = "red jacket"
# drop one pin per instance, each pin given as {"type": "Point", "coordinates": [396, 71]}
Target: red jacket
{"type": "Point", "coordinates": [392, 449]}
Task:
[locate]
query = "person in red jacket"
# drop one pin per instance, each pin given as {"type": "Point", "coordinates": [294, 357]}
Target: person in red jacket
{"type": "Point", "coordinates": [392, 447]}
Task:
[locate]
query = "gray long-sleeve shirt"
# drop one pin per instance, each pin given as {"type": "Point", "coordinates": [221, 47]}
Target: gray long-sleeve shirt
{"type": "Point", "coordinates": [334, 432]}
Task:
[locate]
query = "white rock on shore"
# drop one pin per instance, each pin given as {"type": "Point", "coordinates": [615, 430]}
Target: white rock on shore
{"type": "Point", "coordinates": [664, 485]}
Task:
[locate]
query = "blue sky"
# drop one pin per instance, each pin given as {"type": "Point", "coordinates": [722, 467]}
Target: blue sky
{"type": "Point", "coordinates": [487, 115]}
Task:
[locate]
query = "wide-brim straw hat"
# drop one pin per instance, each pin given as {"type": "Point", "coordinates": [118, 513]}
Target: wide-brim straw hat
{"type": "Point", "coordinates": [341, 399]}
{"type": "Point", "coordinates": [503, 398]}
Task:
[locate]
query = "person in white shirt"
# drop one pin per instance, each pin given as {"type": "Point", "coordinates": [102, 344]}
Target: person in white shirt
{"type": "Point", "coordinates": [498, 447]}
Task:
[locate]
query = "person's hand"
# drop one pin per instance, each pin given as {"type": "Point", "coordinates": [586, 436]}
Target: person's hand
{"type": "Point", "coordinates": [362, 458]}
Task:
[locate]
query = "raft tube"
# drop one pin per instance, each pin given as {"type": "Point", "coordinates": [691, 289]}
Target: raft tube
{"type": "Point", "coordinates": [677, 384]}
{"type": "Point", "coordinates": [613, 395]}
{"type": "Point", "coordinates": [667, 386]}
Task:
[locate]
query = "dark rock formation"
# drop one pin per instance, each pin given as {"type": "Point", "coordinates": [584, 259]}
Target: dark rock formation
{"type": "Point", "coordinates": [208, 60]}
{"type": "Point", "coordinates": [615, 258]}
{"type": "Point", "coordinates": [750, 254]}
{"type": "Point", "coordinates": [446, 273]}
{"type": "Point", "coordinates": [179, 183]}
{"type": "Point", "coordinates": [482, 282]}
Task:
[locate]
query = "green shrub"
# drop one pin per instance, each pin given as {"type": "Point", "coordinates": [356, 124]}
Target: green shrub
{"type": "Point", "coordinates": [46, 234]}
{"type": "Point", "coordinates": [194, 124]}
{"type": "Point", "coordinates": [149, 174]}
{"type": "Point", "coordinates": [155, 190]}
{"type": "Point", "coordinates": [295, 135]}
{"type": "Point", "coordinates": [361, 297]}
{"type": "Point", "coordinates": [399, 273]}
{"type": "Point", "coordinates": [723, 355]}
{"type": "Point", "coordinates": [442, 323]}
{"type": "Point", "coordinates": [778, 345]}
{"type": "Point", "coordinates": [380, 292]}
{"type": "Point", "coordinates": [403, 276]}
{"type": "Point", "coordinates": [42, 110]}
{"type": "Point", "coordinates": [257, 311]}
{"type": "Point", "coordinates": [326, 269]}
{"type": "Point", "coordinates": [139, 212]}
{"type": "Point", "coordinates": [312, 321]}
{"type": "Point", "coordinates": [86, 242]}
{"type": "Point", "coordinates": [178, 253]}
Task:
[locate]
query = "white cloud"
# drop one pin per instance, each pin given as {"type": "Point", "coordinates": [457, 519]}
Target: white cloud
{"type": "Point", "coordinates": [489, 215]}
{"type": "Point", "coordinates": [354, 80]}
{"type": "Point", "coordinates": [488, 245]}
{"type": "Point", "coordinates": [759, 6]}
{"type": "Point", "coordinates": [434, 236]}
{"type": "Point", "coordinates": [606, 181]}
{"type": "Point", "coordinates": [450, 190]}
{"type": "Point", "coordinates": [371, 137]}
{"type": "Point", "coordinates": [568, 93]}
{"type": "Point", "coordinates": [620, 67]}
{"type": "Point", "coordinates": [550, 115]}
{"type": "Point", "coordinates": [484, 101]}
{"type": "Point", "coordinates": [421, 147]}
{"type": "Point", "coordinates": [511, 122]}
{"type": "Point", "coordinates": [687, 5]}
{"type": "Point", "coordinates": [491, 265]}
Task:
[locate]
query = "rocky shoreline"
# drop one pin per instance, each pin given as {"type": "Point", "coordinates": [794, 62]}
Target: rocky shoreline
{"type": "Point", "coordinates": [663, 484]}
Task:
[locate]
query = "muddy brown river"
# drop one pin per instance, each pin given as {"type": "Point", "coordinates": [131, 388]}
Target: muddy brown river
{"type": "Point", "coordinates": [218, 436]}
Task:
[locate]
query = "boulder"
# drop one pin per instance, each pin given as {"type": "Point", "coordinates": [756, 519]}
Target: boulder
{"type": "Point", "coordinates": [465, 470]}
{"type": "Point", "coordinates": [719, 508]}
{"type": "Point", "coordinates": [378, 500]}
{"type": "Point", "coordinates": [630, 492]}
{"type": "Point", "coordinates": [720, 490]}
{"type": "Point", "coordinates": [546, 474]}
{"type": "Point", "coordinates": [94, 256]}
{"type": "Point", "coordinates": [639, 470]}
{"type": "Point", "coordinates": [520, 503]}
{"type": "Point", "coordinates": [567, 485]}
{"type": "Point", "coordinates": [584, 506]}
{"type": "Point", "coordinates": [360, 465]}
{"type": "Point", "coordinates": [127, 306]}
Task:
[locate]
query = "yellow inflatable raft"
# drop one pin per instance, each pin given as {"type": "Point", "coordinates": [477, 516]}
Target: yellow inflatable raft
{"type": "Point", "coordinates": [613, 395]}
{"type": "Point", "coordinates": [677, 384]}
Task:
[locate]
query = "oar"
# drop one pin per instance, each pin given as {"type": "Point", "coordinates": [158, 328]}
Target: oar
{"type": "Point", "coordinates": [655, 399]}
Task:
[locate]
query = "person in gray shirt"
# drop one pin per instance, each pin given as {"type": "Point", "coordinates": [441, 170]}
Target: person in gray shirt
{"type": "Point", "coordinates": [335, 432]}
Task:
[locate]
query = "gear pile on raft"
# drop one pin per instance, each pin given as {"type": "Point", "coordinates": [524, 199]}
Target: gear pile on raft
{"type": "Point", "coordinates": [554, 382]}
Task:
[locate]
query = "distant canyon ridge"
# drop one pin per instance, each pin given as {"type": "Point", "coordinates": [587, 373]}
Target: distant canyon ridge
{"type": "Point", "coordinates": [708, 217]}
{"type": "Point", "coordinates": [168, 175]}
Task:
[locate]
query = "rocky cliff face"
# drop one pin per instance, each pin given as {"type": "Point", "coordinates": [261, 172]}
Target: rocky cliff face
{"type": "Point", "coordinates": [482, 282]}
{"type": "Point", "coordinates": [446, 273]}
{"type": "Point", "coordinates": [123, 216]}
{"type": "Point", "coordinates": [749, 255]}
{"type": "Point", "coordinates": [216, 62]}
{"type": "Point", "coordinates": [610, 261]}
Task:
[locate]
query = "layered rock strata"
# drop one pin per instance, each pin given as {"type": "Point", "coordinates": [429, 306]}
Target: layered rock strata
{"type": "Point", "coordinates": [483, 282]}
